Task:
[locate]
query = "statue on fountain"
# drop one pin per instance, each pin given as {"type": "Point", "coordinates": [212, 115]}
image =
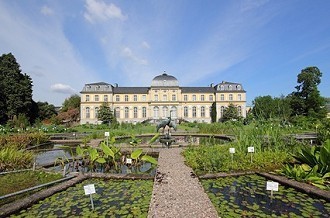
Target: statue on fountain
{"type": "Point", "coordinates": [166, 139]}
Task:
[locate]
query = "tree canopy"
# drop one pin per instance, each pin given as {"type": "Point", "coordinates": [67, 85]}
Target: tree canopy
{"type": "Point", "coordinates": [105, 114]}
{"type": "Point", "coordinates": [15, 88]}
{"type": "Point", "coordinates": [306, 100]}
{"type": "Point", "coordinates": [70, 103]}
{"type": "Point", "coordinates": [230, 113]}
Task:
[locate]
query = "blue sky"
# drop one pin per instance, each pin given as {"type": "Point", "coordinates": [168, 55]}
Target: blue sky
{"type": "Point", "coordinates": [263, 44]}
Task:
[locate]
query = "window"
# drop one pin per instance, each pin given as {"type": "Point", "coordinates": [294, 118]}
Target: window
{"type": "Point", "coordinates": [185, 111]}
{"type": "Point", "coordinates": [222, 87]}
{"type": "Point", "coordinates": [164, 97]}
{"type": "Point", "coordinates": [230, 87]}
{"type": "Point", "coordinates": [156, 110]}
{"type": "Point", "coordinates": [239, 110]}
{"type": "Point", "coordinates": [222, 110]}
{"type": "Point", "coordinates": [105, 98]}
{"type": "Point", "coordinates": [87, 97]}
{"type": "Point", "coordinates": [96, 98]}
{"type": "Point", "coordinates": [230, 97]}
{"type": "Point", "coordinates": [173, 111]}
{"type": "Point", "coordinates": [194, 97]}
{"type": "Point", "coordinates": [173, 97]}
{"type": "Point", "coordinates": [117, 112]}
{"type": "Point", "coordinates": [194, 112]}
{"type": "Point", "coordinates": [165, 111]}
{"type": "Point", "coordinates": [143, 97]}
{"type": "Point", "coordinates": [202, 111]}
{"type": "Point", "coordinates": [210, 97]}
{"type": "Point", "coordinates": [156, 97]}
{"type": "Point", "coordinates": [96, 112]}
{"type": "Point", "coordinates": [202, 98]}
{"type": "Point", "coordinates": [135, 112]}
{"type": "Point", "coordinates": [126, 112]}
{"type": "Point", "coordinates": [126, 97]}
{"type": "Point", "coordinates": [144, 112]}
{"type": "Point", "coordinates": [185, 97]}
{"type": "Point", "coordinates": [117, 98]}
{"type": "Point", "coordinates": [222, 97]}
{"type": "Point", "coordinates": [239, 97]}
{"type": "Point", "coordinates": [88, 115]}
{"type": "Point", "coordinates": [239, 87]}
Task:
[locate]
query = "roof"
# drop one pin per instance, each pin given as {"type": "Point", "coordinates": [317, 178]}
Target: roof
{"type": "Point", "coordinates": [164, 80]}
{"type": "Point", "coordinates": [130, 90]}
{"type": "Point", "coordinates": [197, 89]}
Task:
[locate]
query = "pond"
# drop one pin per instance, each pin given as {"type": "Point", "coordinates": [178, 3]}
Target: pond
{"type": "Point", "coordinates": [246, 196]}
{"type": "Point", "coordinates": [49, 153]}
{"type": "Point", "coordinates": [113, 198]}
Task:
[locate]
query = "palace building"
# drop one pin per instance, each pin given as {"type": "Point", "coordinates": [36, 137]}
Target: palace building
{"type": "Point", "coordinates": [162, 99]}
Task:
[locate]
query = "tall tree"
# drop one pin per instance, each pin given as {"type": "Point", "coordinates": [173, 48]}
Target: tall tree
{"type": "Point", "coordinates": [105, 114]}
{"type": "Point", "coordinates": [70, 103]}
{"type": "Point", "coordinates": [16, 89]}
{"type": "Point", "coordinates": [266, 107]}
{"type": "Point", "coordinates": [214, 112]}
{"type": "Point", "coordinates": [307, 100]}
{"type": "Point", "coordinates": [45, 110]}
{"type": "Point", "coordinates": [230, 113]}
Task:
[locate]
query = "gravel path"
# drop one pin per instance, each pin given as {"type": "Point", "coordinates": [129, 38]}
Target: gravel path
{"type": "Point", "coordinates": [177, 191]}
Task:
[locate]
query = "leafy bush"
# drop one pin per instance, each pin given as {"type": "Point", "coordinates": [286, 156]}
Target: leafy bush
{"type": "Point", "coordinates": [13, 159]}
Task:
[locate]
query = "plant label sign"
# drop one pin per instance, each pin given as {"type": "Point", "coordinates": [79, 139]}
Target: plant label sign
{"type": "Point", "coordinates": [251, 149]}
{"type": "Point", "coordinates": [232, 150]}
{"type": "Point", "coordinates": [128, 160]}
{"type": "Point", "coordinates": [89, 189]}
{"type": "Point", "coordinates": [106, 134]}
{"type": "Point", "coordinates": [272, 186]}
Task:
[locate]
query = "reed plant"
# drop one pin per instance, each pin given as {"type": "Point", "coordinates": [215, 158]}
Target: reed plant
{"type": "Point", "coordinates": [13, 159]}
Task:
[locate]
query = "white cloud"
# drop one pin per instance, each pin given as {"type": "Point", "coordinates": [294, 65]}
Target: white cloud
{"type": "Point", "coordinates": [145, 45]}
{"type": "Point", "coordinates": [62, 88]}
{"type": "Point", "coordinates": [45, 10]}
{"type": "Point", "coordinates": [98, 10]}
{"type": "Point", "coordinates": [127, 52]}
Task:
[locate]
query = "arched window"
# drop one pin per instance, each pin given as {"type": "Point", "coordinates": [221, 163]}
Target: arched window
{"type": "Point", "coordinates": [239, 87]}
{"type": "Point", "coordinates": [222, 110]}
{"type": "Point", "coordinates": [202, 111]}
{"type": "Point", "coordinates": [165, 111]}
{"type": "Point", "coordinates": [117, 112]}
{"type": "Point", "coordinates": [96, 112]}
{"type": "Point", "coordinates": [194, 111]}
{"type": "Point", "coordinates": [173, 111]}
{"type": "Point", "coordinates": [222, 87]}
{"type": "Point", "coordinates": [230, 87]}
{"type": "Point", "coordinates": [144, 112]}
{"type": "Point", "coordinates": [239, 110]}
{"type": "Point", "coordinates": [88, 113]}
{"type": "Point", "coordinates": [135, 109]}
{"type": "Point", "coordinates": [126, 112]}
{"type": "Point", "coordinates": [185, 111]}
{"type": "Point", "coordinates": [156, 111]}
{"type": "Point", "coordinates": [230, 97]}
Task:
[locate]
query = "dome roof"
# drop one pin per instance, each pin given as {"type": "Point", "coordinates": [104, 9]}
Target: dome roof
{"type": "Point", "coordinates": [165, 80]}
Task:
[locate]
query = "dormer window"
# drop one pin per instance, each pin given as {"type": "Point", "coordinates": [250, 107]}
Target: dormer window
{"type": "Point", "coordinates": [230, 87]}
{"type": "Point", "coordinates": [239, 87]}
{"type": "Point", "coordinates": [222, 87]}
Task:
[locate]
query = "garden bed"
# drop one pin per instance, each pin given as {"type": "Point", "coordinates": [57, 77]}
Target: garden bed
{"type": "Point", "coordinates": [246, 196]}
{"type": "Point", "coordinates": [115, 198]}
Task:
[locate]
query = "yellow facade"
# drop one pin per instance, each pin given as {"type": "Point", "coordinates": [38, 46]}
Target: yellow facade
{"type": "Point", "coordinates": [162, 99]}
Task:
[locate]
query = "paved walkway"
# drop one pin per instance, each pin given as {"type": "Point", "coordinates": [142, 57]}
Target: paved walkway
{"type": "Point", "coordinates": [177, 192]}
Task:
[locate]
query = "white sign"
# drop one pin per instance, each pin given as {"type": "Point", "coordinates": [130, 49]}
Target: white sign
{"type": "Point", "coordinates": [272, 186]}
{"type": "Point", "coordinates": [129, 161]}
{"type": "Point", "coordinates": [232, 150]}
{"type": "Point", "coordinates": [251, 149]}
{"type": "Point", "coordinates": [89, 189]}
{"type": "Point", "coordinates": [106, 134]}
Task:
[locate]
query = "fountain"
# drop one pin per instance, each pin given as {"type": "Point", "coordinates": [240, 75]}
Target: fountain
{"type": "Point", "coordinates": [166, 139]}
